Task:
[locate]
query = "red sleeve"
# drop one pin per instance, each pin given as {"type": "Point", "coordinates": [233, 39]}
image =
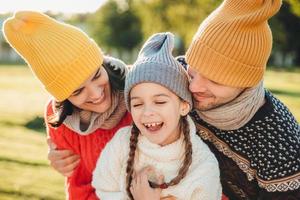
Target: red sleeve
{"type": "Point", "coordinates": [224, 197]}
{"type": "Point", "coordinates": [79, 184]}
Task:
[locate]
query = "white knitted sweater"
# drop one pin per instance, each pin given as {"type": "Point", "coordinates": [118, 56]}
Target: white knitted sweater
{"type": "Point", "coordinates": [201, 182]}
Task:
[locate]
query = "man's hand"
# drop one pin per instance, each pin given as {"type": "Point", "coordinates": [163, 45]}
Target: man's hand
{"type": "Point", "coordinates": [63, 161]}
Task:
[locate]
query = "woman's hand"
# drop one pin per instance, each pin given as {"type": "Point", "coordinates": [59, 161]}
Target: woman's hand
{"type": "Point", "coordinates": [63, 161]}
{"type": "Point", "coordinates": [140, 188]}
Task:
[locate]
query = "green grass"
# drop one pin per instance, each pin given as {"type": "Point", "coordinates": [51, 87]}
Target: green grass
{"type": "Point", "coordinates": [286, 87]}
{"type": "Point", "coordinates": [24, 169]}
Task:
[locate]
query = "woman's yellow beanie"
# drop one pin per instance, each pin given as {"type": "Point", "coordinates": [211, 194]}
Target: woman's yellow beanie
{"type": "Point", "coordinates": [233, 44]}
{"type": "Point", "coordinates": [60, 55]}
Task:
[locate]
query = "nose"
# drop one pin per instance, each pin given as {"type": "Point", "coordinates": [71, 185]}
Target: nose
{"type": "Point", "coordinates": [94, 92]}
{"type": "Point", "coordinates": [148, 110]}
{"type": "Point", "coordinates": [198, 84]}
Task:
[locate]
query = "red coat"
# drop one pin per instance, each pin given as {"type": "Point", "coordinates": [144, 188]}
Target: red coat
{"type": "Point", "coordinates": [89, 148]}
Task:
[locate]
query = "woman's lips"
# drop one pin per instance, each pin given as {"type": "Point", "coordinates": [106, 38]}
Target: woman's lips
{"type": "Point", "coordinates": [99, 100]}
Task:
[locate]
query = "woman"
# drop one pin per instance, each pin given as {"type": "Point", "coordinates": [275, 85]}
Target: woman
{"type": "Point", "coordinates": [86, 88]}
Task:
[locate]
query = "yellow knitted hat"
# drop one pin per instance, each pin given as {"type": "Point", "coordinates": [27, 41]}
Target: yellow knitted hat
{"type": "Point", "coordinates": [60, 55]}
{"type": "Point", "coordinates": [233, 44]}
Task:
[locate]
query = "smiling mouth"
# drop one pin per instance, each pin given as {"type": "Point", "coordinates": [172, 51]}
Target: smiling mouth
{"type": "Point", "coordinates": [201, 97]}
{"type": "Point", "coordinates": [154, 126]}
{"type": "Point", "coordinates": [98, 100]}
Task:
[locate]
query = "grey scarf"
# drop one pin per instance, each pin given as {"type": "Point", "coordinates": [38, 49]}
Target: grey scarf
{"type": "Point", "coordinates": [86, 122]}
{"type": "Point", "coordinates": [238, 112]}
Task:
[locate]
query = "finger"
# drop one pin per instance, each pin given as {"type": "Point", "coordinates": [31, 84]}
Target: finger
{"type": "Point", "coordinates": [51, 144]}
{"type": "Point", "coordinates": [68, 170]}
{"type": "Point", "coordinates": [161, 179]}
{"type": "Point", "coordinates": [71, 160]}
{"type": "Point", "coordinates": [146, 169]}
{"type": "Point", "coordinates": [64, 169]}
{"type": "Point", "coordinates": [59, 154]}
{"type": "Point", "coordinates": [64, 162]}
{"type": "Point", "coordinates": [135, 177]}
{"type": "Point", "coordinates": [144, 175]}
{"type": "Point", "coordinates": [69, 174]}
{"type": "Point", "coordinates": [138, 179]}
{"type": "Point", "coordinates": [150, 168]}
{"type": "Point", "coordinates": [144, 180]}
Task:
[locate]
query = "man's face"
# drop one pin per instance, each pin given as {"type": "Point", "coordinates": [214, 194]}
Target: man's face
{"type": "Point", "coordinates": [208, 94]}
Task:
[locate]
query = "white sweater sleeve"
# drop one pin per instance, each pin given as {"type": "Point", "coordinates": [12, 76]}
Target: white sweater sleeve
{"type": "Point", "coordinates": [107, 174]}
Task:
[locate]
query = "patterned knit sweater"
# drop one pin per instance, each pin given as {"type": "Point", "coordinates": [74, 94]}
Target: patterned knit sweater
{"type": "Point", "coordinates": [201, 182]}
{"type": "Point", "coordinates": [88, 147]}
{"type": "Point", "coordinates": [261, 160]}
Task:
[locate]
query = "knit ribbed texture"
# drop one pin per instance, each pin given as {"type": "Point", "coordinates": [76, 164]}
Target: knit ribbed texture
{"type": "Point", "coordinates": [233, 44]}
{"type": "Point", "coordinates": [155, 63]}
{"type": "Point", "coordinates": [60, 55]}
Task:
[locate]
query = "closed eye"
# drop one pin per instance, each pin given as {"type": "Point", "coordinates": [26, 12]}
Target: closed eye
{"type": "Point", "coordinates": [160, 102]}
{"type": "Point", "coordinates": [136, 105]}
{"type": "Point", "coordinates": [77, 92]}
{"type": "Point", "coordinates": [97, 75]}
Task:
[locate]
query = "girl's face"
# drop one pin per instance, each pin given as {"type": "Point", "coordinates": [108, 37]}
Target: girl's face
{"type": "Point", "coordinates": [94, 94]}
{"type": "Point", "coordinates": [156, 112]}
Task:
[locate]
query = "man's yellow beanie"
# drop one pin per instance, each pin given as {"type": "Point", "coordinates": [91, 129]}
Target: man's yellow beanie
{"type": "Point", "coordinates": [60, 55]}
{"type": "Point", "coordinates": [233, 44]}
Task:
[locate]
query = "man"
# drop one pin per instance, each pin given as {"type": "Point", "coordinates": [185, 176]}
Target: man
{"type": "Point", "coordinates": [253, 135]}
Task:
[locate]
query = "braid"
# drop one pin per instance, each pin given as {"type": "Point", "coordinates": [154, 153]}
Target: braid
{"type": "Point", "coordinates": [130, 161]}
{"type": "Point", "coordinates": [187, 159]}
{"type": "Point", "coordinates": [188, 153]}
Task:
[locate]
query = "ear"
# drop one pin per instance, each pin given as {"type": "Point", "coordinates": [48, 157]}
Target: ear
{"type": "Point", "coordinates": [184, 108]}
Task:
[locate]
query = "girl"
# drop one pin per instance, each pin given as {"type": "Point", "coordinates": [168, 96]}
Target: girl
{"type": "Point", "coordinates": [87, 106]}
{"type": "Point", "coordinates": [159, 156]}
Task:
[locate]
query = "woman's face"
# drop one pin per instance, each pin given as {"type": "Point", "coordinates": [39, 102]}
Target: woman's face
{"type": "Point", "coordinates": [94, 94]}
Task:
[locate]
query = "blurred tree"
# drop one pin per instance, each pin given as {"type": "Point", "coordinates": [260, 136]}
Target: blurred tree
{"type": "Point", "coordinates": [295, 6]}
{"type": "Point", "coordinates": [76, 19]}
{"type": "Point", "coordinates": [116, 27]}
{"type": "Point", "coordinates": [286, 28]}
{"type": "Point", "coordinates": [181, 17]}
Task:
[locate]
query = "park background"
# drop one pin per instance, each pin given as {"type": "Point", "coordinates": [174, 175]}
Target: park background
{"type": "Point", "coordinates": [119, 27]}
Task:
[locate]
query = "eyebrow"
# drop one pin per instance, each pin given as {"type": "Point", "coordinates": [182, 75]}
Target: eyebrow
{"type": "Point", "coordinates": [157, 95]}
{"type": "Point", "coordinates": [80, 89]}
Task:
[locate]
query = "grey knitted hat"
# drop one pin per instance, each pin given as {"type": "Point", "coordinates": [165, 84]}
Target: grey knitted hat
{"type": "Point", "coordinates": [156, 64]}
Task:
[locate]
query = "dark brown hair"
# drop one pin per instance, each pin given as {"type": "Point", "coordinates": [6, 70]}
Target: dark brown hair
{"type": "Point", "coordinates": [64, 108]}
{"type": "Point", "coordinates": [184, 128]}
